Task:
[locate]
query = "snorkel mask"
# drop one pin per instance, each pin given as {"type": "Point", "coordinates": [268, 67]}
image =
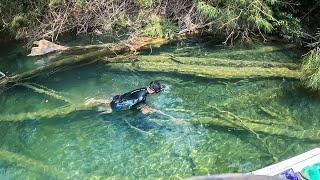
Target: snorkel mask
{"type": "Point", "coordinates": [155, 86]}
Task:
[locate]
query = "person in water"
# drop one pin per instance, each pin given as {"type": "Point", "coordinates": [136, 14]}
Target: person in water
{"type": "Point", "coordinates": [133, 100]}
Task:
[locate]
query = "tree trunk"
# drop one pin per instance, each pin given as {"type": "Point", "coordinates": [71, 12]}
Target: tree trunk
{"type": "Point", "coordinates": [107, 50]}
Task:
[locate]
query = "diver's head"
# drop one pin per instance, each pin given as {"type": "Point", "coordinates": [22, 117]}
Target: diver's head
{"type": "Point", "coordinates": [154, 87]}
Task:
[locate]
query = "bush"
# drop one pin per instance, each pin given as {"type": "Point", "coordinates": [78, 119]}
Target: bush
{"type": "Point", "coordinates": [311, 65]}
{"type": "Point", "coordinates": [245, 18]}
{"type": "Point", "coordinates": [235, 19]}
{"type": "Point", "coordinates": [158, 27]}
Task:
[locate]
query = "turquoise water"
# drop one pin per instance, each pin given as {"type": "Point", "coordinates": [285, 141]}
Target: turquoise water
{"type": "Point", "coordinates": [93, 145]}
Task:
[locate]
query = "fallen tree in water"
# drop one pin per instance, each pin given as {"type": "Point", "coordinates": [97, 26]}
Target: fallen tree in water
{"type": "Point", "coordinates": [69, 107]}
{"type": "Point", "coordinates": [46, 113]}
{"type": "Point", "coordinates": [278, 125]}
{"type": "Point", "coordinates": [212, 67]}
{"type": "Point", "coordinates": [107, 50]}
{"type": "Point", "coordinates": [226, 119]}
{"type": "Point", "coordinates": [119, 52]}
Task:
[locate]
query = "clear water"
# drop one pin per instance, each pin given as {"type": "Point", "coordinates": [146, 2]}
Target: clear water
{"type": "Point", "coordinates": [88, 144]}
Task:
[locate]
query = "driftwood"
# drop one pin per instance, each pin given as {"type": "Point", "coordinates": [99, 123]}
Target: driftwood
{"type": "Point", "coordinates": [45, 47]}
{"type": "Point", "coordinates": [106, 50]}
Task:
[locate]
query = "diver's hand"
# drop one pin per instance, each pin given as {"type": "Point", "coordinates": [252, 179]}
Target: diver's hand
{"type": "Point", "coordinates": [147, 110]}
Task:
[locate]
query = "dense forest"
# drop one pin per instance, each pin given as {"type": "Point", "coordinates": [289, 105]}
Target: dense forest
{"type": "Point", "coordinates": [236, 21]}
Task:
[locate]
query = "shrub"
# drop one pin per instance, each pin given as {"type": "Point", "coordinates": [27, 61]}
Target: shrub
{"type": "Point", "coordinates": [158, 27]}
{"type": "Point", "coordinates": [311, 65]}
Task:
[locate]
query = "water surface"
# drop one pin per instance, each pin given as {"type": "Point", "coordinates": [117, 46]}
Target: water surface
{"type": "Point", "coordinates": [89, 144]}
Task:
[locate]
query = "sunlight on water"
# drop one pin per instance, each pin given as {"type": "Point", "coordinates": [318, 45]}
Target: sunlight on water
{"type": "Point", "coordinates": [177, 142]}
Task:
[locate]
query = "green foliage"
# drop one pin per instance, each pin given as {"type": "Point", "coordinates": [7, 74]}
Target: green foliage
{"type": "Point", "coordinates": [208, 10]}
{"type": "Point", "coordinates": [289, 26]}
{"type": "Point", "coordinates": [311, 65]}
{"type": "Point", "coordinates": [260, 22]}
{"type": "Point", "coordinates": [157, 27]}
{"type": "Point", "coordinates": [232, 18]}
{"type": "Point", "coordinates": [17, 22]}
{"type": "Point", "coordinates": [252, 17]}
{"type": "Point", "coordinates": [80, 3]}
{"type": "Point", "coordinates": [145, 3]}
{"type": "Point", "coordinates": [16, 16]}
{"type": "Point", "coordinates": [54, 3]}
{"type": "Point", "coordinates": [239, 15]}
{"type": "Point", "coordinates": [311, 69]}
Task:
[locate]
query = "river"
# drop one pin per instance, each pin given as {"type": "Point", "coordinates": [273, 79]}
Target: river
{"type": "Point", "coordinates": [179, 141]}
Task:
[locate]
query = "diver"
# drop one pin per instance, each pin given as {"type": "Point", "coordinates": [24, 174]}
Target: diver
{"type": "Point", "coordinates": [133, 100]}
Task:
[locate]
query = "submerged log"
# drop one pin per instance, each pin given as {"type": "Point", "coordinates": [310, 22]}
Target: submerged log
{"type": "Point", "coordinates": [220, 118]}
{"type": "Point", "coordinates": [213, 61]}
{"type": "Point", "coordinates": [308, 134]}
{"type": "Point", "coordinates": [43, 90]}
{"type": "Point", "coordinates": [108, 50]}
{"type": "Point", "coordinates": [211, 67]}
{"type": "Point", "coordinates": [70, 106]}
{"type": "Point", "coordinates": [46, 113]}
{"type": "Point", "coordinates": [227, 119]}
{"type": "Point", "coordinates": [210, 71]}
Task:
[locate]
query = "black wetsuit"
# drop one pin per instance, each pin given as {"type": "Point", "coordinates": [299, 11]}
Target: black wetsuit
{"type": "Point", "coordinates": [129, 100]}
